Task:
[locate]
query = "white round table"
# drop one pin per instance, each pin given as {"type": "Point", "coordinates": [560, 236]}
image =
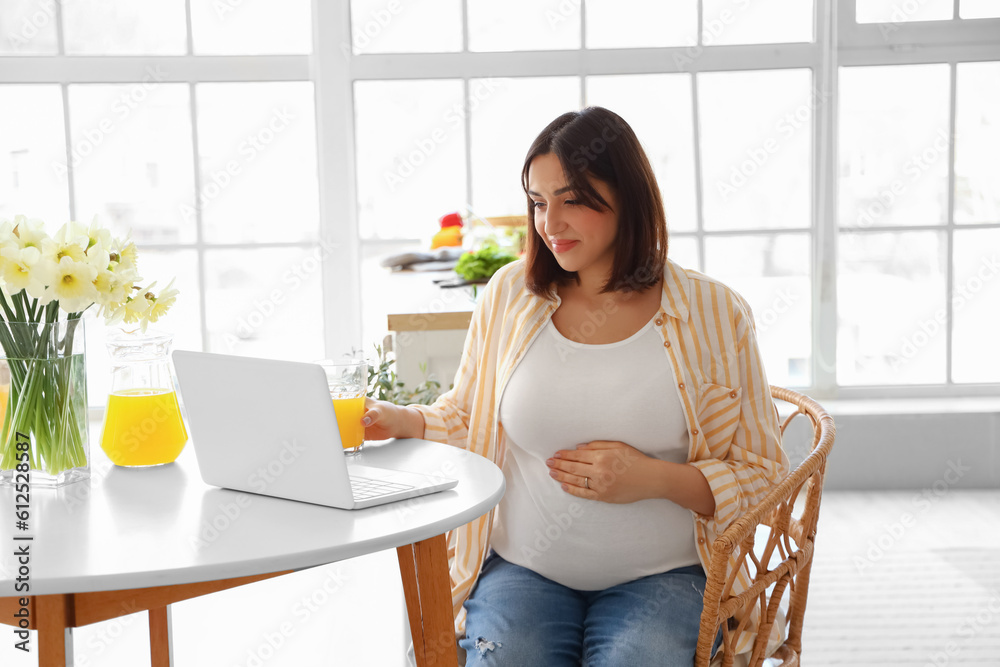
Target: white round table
{"type": "Point", "coordinates": [134, 539]}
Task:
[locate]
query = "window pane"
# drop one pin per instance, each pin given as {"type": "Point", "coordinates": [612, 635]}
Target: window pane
{"type": "Point", "coordinates": [257, 151]}
{"type": "Point", "coordinates": [28, 27]}
{"type": "Point", "coordinates": [977, 137]}
{"type": "Point", "coordinates": [118, 27]}
{"type": "Point", "coordinates": [523, 25]}
{"type": "Point", "coordinates": [265, 303]}
{"type": "Point", "coordinates": [979, 9]}
{"type": "Point", "coordinates": [895, 11]}
{"type": "Point", "coordinates": [227, 27]}
{"type": "Point", "coordinates": [772, 273]}
{"type": "Point", "coordinates": [890, 290]}
{"type": "Point", "coordinates": [33, 159]}
{"type": "Point", "coordinates": [684, 251]}
{"type": "Point", "coordinates": [975, 304]}
{"type": "Point", "coordinates": [893, 145]}
{"type": "Point", "coordinates": [613, 24]}
{"type": "Point", "coordinates": [412, 172]}
{"type": "Point", "coordinates": [410, 26]}
{"type": "Point", "coordinates": [658, 107]}
{"type": "Point", "coordinates": [757, 22]}
{"type": "Point", "coordinates": [183, 320]}
{"type": "Point", "coordinates": [507, 118]}
{"type": "Point", "coordinates": [132, 158]}
{"type": "Point", "coordinates": [756, 163]}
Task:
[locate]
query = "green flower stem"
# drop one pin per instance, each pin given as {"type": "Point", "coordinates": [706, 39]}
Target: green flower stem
{"type": "Point", "coordinates": [42, 401]}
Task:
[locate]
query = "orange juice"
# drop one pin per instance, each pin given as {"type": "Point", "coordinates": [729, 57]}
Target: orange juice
{"type": "Point", "coordinates": [349, 414]}
{"type": "Point", "coordinates": [4, 395]}
{"type": "Point", "coordinates": [143, 427]}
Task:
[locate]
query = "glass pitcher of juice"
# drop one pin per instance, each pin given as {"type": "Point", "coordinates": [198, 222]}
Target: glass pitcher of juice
{"type": "Point", "coordinates": [142, 424]}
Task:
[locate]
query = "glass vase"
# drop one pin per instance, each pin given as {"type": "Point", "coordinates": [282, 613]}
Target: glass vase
{"type": "Point", "coordinates": [142, 423]}
{"type": "Point", "coordinates": [43, 391]}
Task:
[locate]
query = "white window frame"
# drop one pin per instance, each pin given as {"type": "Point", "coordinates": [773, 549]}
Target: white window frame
{"type": "Point", "coordinates": [334, 69]}
{"type": "Point", "coordinates": [834, 25]}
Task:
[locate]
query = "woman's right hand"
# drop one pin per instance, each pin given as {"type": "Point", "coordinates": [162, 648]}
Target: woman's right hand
{"type": "Point", "coordinates": [383, 420]}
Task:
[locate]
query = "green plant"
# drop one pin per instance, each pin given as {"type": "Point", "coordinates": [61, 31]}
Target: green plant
{"type": "Point", "coordinates": [483, 263]}
{"type": "Point", "coordinates": [383, 385]}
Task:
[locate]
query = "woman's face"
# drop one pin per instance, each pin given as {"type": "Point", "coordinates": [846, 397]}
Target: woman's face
{"type": "Point", "coordinates": [582, 239]}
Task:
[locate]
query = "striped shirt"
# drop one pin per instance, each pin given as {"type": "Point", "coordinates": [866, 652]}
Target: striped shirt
{"type": "Point", "coordinates": [708, 338]}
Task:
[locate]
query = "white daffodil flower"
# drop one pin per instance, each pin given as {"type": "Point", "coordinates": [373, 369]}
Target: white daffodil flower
{"type": "Point", "coordinates": [72, 233]}
{"type": "Point", "coordinates": [127, 255]}
{"type": "Point", "coordinates": [162, 302]}
{"type": "Point", "coordinates": [98, 237]}
{"type": "Point", "coordinates": [43, 273]}
{"type": "Point", "coordinates": [73, 285]}
{"type": "Point", "coordinates": [16, 270]}
{"type": "Point", "coordinates": [7, 234]}
{"type": "Point", "coordinates": [29, 233]}
{"type": "Point", "coordinates": [54, 250]}
{"type": "Point", "coordinates": [98, 257]}
{"type": "Point", "coordinates": [78, 266]}
{"type": "Point", "coordinates": [132, 310]}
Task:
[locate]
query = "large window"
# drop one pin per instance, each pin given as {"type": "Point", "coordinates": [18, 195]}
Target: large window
{"type": "Point", "coordinates": [837, 169]}
{"type": "Point", "coordinates": [834, 173]}
{"type": "Point", "coordinates": [187, 124]}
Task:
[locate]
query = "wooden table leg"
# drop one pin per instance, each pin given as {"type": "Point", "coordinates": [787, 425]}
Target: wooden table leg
{"type": "Point", "coordinates": [55, 639]}
{"type": "Point", "coordinates": [160, 637]}
{"type": "Point", "coordinates": [423, 567]}
{"type": "Point", "coordinates": [411, 592]}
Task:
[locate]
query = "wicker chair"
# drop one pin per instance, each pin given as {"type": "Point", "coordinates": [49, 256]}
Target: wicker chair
{"type": "Point", "coordinates": [790, 538]}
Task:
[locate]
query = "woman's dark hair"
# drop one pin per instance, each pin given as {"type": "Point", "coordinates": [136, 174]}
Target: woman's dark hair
{"type": "Point", "coordinates": [598, 144]}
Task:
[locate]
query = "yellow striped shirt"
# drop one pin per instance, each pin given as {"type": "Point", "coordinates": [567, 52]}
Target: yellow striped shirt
{"type": "Point", "coordinates": [709, 340]}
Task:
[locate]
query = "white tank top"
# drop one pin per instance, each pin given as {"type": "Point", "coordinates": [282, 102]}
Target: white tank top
{"type": "Point", "coordinates": [565, 393]}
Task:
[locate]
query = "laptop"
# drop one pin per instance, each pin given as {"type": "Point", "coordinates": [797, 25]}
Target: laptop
{"type": "Point", "coordinates": [269, 427]}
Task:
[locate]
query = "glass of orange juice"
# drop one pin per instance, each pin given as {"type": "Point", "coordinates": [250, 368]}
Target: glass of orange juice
{"type": "Point", "coordinates": [348, 381]}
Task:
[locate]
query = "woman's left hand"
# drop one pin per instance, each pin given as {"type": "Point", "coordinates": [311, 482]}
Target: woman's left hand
{"type": "Point", "coordinates": [604, 470]}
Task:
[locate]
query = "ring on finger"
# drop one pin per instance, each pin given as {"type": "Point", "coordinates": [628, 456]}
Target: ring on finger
{"type": "Point", "coordinates": [586, 482]}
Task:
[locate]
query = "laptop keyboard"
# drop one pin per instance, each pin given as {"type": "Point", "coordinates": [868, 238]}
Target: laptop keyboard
{"type": "Point", "coordinates": [364, 488]}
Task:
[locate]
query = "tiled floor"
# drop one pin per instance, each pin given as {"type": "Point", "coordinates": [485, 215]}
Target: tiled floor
{"type": "Point", "coordinates": [901, 578]}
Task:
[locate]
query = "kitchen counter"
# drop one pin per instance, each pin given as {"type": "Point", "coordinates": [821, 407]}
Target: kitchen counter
{"type": "Point", "coordinates": [427, 325]}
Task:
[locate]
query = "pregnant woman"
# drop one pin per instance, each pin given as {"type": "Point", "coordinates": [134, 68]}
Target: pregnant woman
{"type": "Point", "coordinates": [625, 401]}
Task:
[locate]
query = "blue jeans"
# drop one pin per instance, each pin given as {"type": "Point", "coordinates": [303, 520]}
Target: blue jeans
{"type": "Point", "coordinates": [516, 617]}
